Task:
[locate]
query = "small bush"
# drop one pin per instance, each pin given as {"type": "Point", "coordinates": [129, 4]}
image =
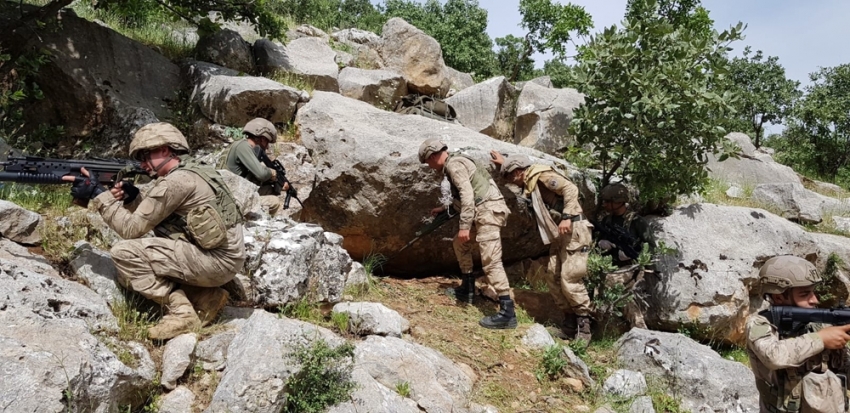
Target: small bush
{"type": "Point", "coordinates": [324, 379]}
{"type": "Point", "coordinates": [403, 389]}
{"type": "Point", "coordinates": [551, 364]}
{"type": "Point", "coordinates": [340, 321]}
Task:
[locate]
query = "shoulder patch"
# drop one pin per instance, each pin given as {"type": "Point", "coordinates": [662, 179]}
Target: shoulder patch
{"type": "Point", "coordinates": [159, 190]}
{"type": "Point", "coordinates": [757, 329]}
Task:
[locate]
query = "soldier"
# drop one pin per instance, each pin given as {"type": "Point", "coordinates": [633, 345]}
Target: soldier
{"type": "Point", "coordinates": [199, 244]}
{"type": "Point", "coordinates": [243, 159]}
{"type": "Point", "coordinates": [622, 233]}
{"type": "Point", "coordinates": [483, 210]}
{"type": "Point", "coordinates": [795, 373]}
{"type": "Point", "coordinates": [565, 229]}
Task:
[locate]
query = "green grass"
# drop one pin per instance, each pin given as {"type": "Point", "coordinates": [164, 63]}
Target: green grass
{"type": "Point", "coordinates": [38, 198]}
{"type": "Point", "coordinates": [135, 315]}
{"type": "Point", "coordinates": [403, 389]}
{"type": "Point", "coordinates": [293, 80]}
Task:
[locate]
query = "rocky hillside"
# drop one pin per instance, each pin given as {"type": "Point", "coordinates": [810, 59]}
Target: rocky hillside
{"type": "Point", "coordinates": [74, 341]}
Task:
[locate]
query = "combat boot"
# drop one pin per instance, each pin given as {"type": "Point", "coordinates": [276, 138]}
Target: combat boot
{"type": "Point", "coordinates": [505, 318]}
{"type": "Point", "coordinates": [466, 292]}
{"type": "Point", "coordinates": [583, 332]}
{"type": "Point", "coordinates": [207, 302]}
{"type": "Point", "coordinates": [570, 325]}
{"type": "Point", "coordinates": [180, 318]}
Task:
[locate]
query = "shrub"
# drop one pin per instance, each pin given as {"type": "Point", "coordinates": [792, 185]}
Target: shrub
{"type": "Point", "coordinates": [324, 379]}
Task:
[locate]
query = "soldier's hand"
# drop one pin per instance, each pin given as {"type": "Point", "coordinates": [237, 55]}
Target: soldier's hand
{"type": "Point", "coordinates": [835, 337]}
{"type": "Point", "coordinates": [285, 187]}
{"type": "Point", "coordinates": [274, 175]}
{"type": "Point", "coordinates": [463, 236]}
{"type": "Point", "coordinates": [622, 256]}
{"type": "Point", "coordinates": [497, 158]}
{"type": "Point", "coordinates": [605, 245]}
{"type": "Point", "coordinates": [436, 211]}
{"type": "Point", "coordinates": [125, 190]}
{"type": "Point", "coordinates": [565, 227]}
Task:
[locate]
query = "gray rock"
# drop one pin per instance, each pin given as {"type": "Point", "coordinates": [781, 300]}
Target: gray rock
{"type": "Point", "coordinates": [19, 224]}
{"type": "Point", "coordinates": [577, 368]}
{"type": "Point", "coordinates": [179, 400]}
{"type": "Point", "coordinates": [537, 337]}
{"type": "Point", "coordinates": [459, 80]}
{"type": "Point", "coordinates": [212, 352]}
{"type": "Point", "coordinates": [487, 108]}
{"type": "Point", "coordinates": [436, 383]}
{"type": "Point", "coordinates": [306, 30]}
{"type": "Point", "coordinates": [259, 363]}
{"type": "Point", "coordinates": [842, 223]}
{"type": "Point", "coordinates": [642, 404]}
{"type": "Point", "coordinates": [233, 100]}
{"type": "Point", "coordinates": [371, 187]}
{"type": "Point", "coordinates": [357, 36]}
{"type": "Point", "coordinates": [751, 169]}
{"type": "Point", "coordinates": [25, 260]}
{"type": "Point", "coordinates": [735, 192]}
{"type": "Point", "coordinates": [544, 81]}
{"type": "Point", "coordinates": [798, 203]}
{"type": "Point", "coordinates": [97, 270]}
{"type": "Point", "coordinates": [373, 318]}
{"type": "Point", "coordinates": [694, 371]}
{"type": "Point", "coordinates": [300, 172]}
{"type": "Point", "coordinates": [543, 116]}
{"type": "Point", "coordinates": [605, 409]}
{"type": "Point", "coordinates": [831, 189]}
{"type": "Point", "coordinates": [416, 55]}
{"type": "Point", "coordinates": [176, 358]}
{"type": "Point", "coordinates": [245, 193]}
{"type": "Point", "coordinates": [477, 408]}
{"type": "Point", "coordinates": [226, 48]}
{"type": "Point", "coordinates": [187, 35]}
{"type": "Point", "coordinates": [373, 397]}
{"type": "Point", "coordinates": [625, 384]}
{"type": "Point", "coordinates": [379, 88]}
{"type": "Point", "coordinates": [313, 60]}
{"type": "Point", "coordinates": [343, 60]}
{"type": "Point", "coordinates": [287, 261]}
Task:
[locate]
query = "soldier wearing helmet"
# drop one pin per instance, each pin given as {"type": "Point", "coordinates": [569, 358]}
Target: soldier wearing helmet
{"type": "Point", "coordinates": [563, 226]}
{"type": "Point", "coordinates": [796, 373]}
{"type": "Point", "coordinates": [243, 159]}
{"type": "Point", "coordinates": [198, 245]}
{"type": "Point", "coordinates": [483, 213]}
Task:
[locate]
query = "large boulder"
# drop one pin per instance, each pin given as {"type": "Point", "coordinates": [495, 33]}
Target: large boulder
{"type": "Point", "coordinates": [226, 48]}
{"type": "Point", "coordinates": [306, 30]}
{"type": "Point", "coordinates": [371, 189]}
{"type": "Point", "coordinates": [379, 88]}
{"type": "Point", "coordinates": [84, 86]}
{"type": "Point", "coordinates": [754, 167]}
{"type": "Point", "coordinates": [312, 60]}
{"type": "Point", "coordinates": [227, 98]}
{"type": "Point", "coordinates": [19, 224]}
{"type": "Point", "coordinates": [709, 282]}
{"type": "Point", "coordinates": [459, 80]}
{"type": "Point", "coordinates": [543, 116]}
{"type": "Point", "coordinates": [416, 55]}
{"type": "Point", "coordinates": [705, 381]}
{"type": "Point", "coordinates": [795, 202]}
{"type": "Point", "coordinates": [487, 108]}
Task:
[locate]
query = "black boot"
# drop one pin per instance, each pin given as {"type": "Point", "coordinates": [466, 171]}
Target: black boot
{"type": "Point", "coordinates": [466, 292]}
{"type": "Point", "coordinates": [505, 318]}
{"type": "Point", "coordinates": [584, 331]}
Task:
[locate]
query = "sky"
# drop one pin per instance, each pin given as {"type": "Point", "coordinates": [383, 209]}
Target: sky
{"type": "Point", "coordinates": [805, 35]}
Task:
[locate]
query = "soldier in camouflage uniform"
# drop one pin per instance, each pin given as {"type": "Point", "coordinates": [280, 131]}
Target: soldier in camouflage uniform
{"type": "Point", "coordinates": [198, 245]}
{"type": "Point", "coordinates": [483, 210]}
{"type": "Point", "coordinates": [243, 159]}
{"type": "Point", "coordinates": [565, 229]}
{"type": "Point", "coordinates": [795, 373]}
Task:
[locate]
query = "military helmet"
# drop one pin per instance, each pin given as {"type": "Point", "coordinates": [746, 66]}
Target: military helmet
{"type": "Point", "coordinates": [430, 147]}
{"type": "Point", "coordinates": [515, 162]}
{"type": "Point", "coordinates": [783, 272]}
{"type": "Point", "coordinates": [154, 135]}
{"type": "Point", "coordinates": [615, 192]}
{"type": "Point", "coordinates": [261, 128]}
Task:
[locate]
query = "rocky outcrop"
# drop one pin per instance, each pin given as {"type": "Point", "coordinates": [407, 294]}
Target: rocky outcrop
{"type": "Point", "coordinates": [372, 318]}
{"type": "Point", "coordinates": [18, 224]}
{"type": "Point", "coordinates": [543, 116]}
{"type": "Point", "coordinates": [226, 48]}
{"type": "Point", "coordinates": [416, 55]}
{"type": "Point", "coordinates": [797, 203]}
{"type": "Point", "coordinates": [753, 167]}
{"type": "Point", "coordinates": [306, 30]}
{"type": "Point", "coordinates": [312, 60]}
{"type": "Point", "coordinates": [97, 270]}
{"type": "Point", "coordinates": [487, 108]}
{"type": "Point", "coordinates": [379, 88]}
{"type": "Point", "coordinates": [371, 189]}
{"type": "Point", "coordinates": [459, 80]}
{"type": "Point", "coordinates": [696, 373]}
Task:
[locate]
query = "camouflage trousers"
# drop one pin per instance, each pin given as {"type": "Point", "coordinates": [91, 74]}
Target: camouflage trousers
{"type": "Point", "coordinates": [269, 201]}
{"type": "Point", "coordinates": [567, 269]}
{"type": "Point", "coordinates": [487, 234]}
{"type": "Point", "coordinates": [154, 266]}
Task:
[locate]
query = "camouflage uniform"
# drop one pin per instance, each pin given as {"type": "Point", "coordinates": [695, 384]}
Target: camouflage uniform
{"type": "Point", "coordinates": [242, 159]}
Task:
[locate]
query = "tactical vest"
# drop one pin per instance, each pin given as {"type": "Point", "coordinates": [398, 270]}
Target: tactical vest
{"type": "Point", "coordinates": [480, 181]}
{"type": "Point", "coordinates": [204, 226]}
{"type": "Point", "coordinates": [788, 396]}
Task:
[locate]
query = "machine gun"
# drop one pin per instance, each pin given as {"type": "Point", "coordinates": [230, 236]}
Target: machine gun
{"type": "Point", "coordinates": [37, 170]}
{"type": "Point", "coordinates": [439, 221]}
{"type": "Point", "coordinates": [621, 237]}
{"type": "Point", "coordinates": [278, 185]}
{"type": "Point", "coordinates": [791, 320]}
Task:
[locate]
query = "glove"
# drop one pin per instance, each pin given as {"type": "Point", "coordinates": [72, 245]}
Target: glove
{"type": "Point", "coordinates": [605, 244]}
{"type": "Point", "coordinates": [86, 188]}
{"type": "Point", "coordinates": [623, 257]}
{"type": "Point", "coordinates": [131, 192]}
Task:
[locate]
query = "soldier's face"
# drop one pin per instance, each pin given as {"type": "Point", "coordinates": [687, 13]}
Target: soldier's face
{"type": "Point", "coordinates": [611, 207]}
{"type": "Point", "coordinates": [436, 160]}
{"type": "Point", "coordinates": [517, 176]}
{"type": "Point", "coordinates": [803, 297]}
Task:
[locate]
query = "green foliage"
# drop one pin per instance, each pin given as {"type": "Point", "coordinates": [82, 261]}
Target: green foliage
{"type": "Point", "coordinates": [735, 353]}
{"type": "Point", "coordinates": [817, 139]}
{"type": "Point", "coordinates": [294, 80]}
{"type": "Point", "coordinates": [559, 72]}
{"type": "Point", "coordinates": [303, 310]}
{"type": "Point", "coordinates": [460, 26]}
{"type": "Point", "coordinates": [328, 14]}
{"type": "Point", "coordinates": [403, 389]}
{"type": "Point", "coordinates": [552, 25]}
{"type": "Point", "coordinates": [135, 315]}
{"type": "Point", "coordinates": [688, 14]}
{"type": "Point", "coordinates": [552, 363]}
{"type": "Point", "coordinates": [511, 55]}
{"type": "Point", "coordinates": [324, 378]}
{"type": "Point", "coordinates": [38, 198]}
{"type": "Point", "coordinates": [340, 321]}
{"type": "Point", "coordinates": [764, 94]}
{"type": "Point", "coordinates": [824, 289]}
{"type": "Point", "coordinates": [649, 112]}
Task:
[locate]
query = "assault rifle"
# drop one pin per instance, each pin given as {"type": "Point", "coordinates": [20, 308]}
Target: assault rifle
{"type": "Point", "coordinates": [37, 170]}
{"type": "Point", "coordinates": [438, 222]}
{"type": "Point", "coordinates": [621, 237]}
{"type": "Point", "coordinates": [277, 186]}
{"type": "Point", "coordinates": [790, 320]}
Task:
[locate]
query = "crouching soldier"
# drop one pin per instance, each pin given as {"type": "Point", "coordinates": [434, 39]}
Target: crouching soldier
{"type": "Point", "coordinates": [243, 159]}
{"type": "Point", "coordinates": [803, 370]}
{"type": "Point", "coordinates": [482, 210]}
{"type": "Point", "coordinates": [199, 244]}
{"type": "Point", "coordinates": [563, 226]}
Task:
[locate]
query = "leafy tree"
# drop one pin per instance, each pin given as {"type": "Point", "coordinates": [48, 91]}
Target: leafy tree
{"type": "Point", "coordinates": [680, 13]}
{"type": "Point", "coordinates": [559, 72]}
{"type": "Point", "coordinates": [551, 26]}
{"type": "Point", "coordinates": [460, 26]}
{"type": "Point", "coordinates": [510, 50]}
{"type": "Point", "coordinates": [649, 113]}
{"type": "Point", "coordinates": [328, 14]}
{"type": "Point", "coordinates": [764, 94]}
{"type": "Point", "coordinates": [818, 134]}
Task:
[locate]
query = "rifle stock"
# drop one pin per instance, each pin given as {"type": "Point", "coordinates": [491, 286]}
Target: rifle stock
{"type": "Point", "coordinates": [37, 170]}
{"type": "Point", "coordinates": [788, 318]}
